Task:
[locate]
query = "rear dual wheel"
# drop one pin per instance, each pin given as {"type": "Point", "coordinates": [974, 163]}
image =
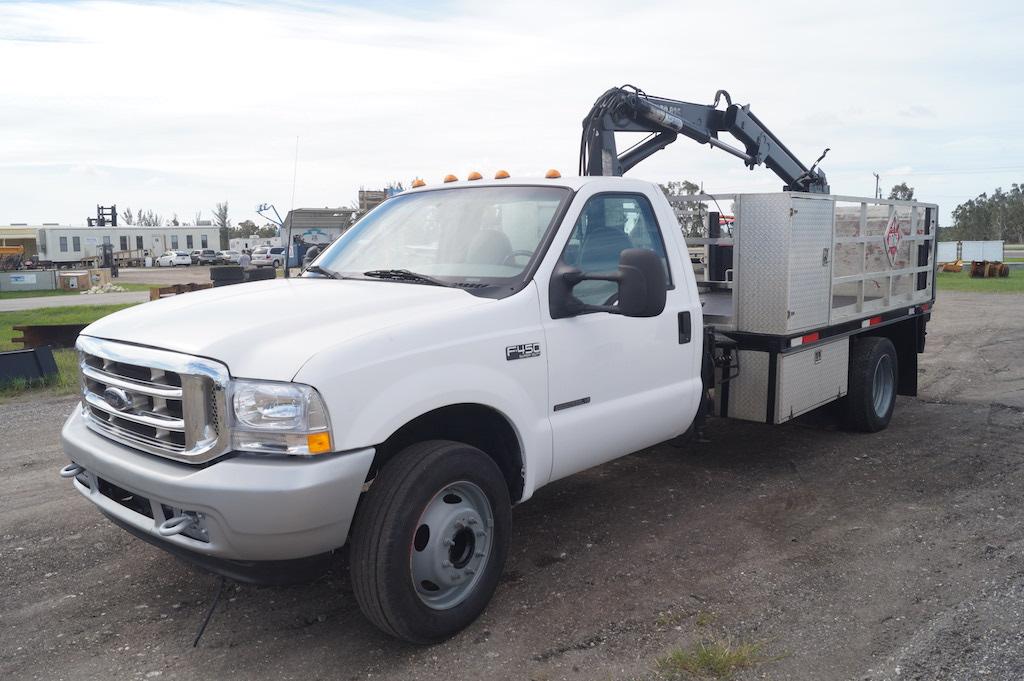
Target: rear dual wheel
{"type": "Point", "coordinates": [871, 398]}
{"type": "Point", "coordinates": [430, 539]}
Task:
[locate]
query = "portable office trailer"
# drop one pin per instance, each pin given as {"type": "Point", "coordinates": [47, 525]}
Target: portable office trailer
{"type": "Point", "coordinates": [63, 244]}
{"type": "Point", "coordinates": [251, 243]}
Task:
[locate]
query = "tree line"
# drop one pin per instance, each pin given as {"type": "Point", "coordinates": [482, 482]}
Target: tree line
{"type": "Point", "coordinates": [995, 216]}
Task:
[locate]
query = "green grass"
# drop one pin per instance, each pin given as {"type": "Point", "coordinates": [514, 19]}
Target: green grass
{"type": "Point", "coordinates": [715, 659]}
{"type": "Point", "coordinates": [65, 382]}
{"type": "Point", "coordinates": [962, 281]}
{"type": "Point", "coordinates": [8, 295]}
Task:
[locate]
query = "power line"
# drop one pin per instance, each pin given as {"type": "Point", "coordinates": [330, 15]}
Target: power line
{"type": "Point", "coordinates": [949, 171]}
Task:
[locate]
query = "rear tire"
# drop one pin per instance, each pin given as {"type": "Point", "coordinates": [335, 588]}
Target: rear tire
{"type": "Point", "coordinates": [429, 540]}
{"type": "Point", "coordinates": [874, 378]}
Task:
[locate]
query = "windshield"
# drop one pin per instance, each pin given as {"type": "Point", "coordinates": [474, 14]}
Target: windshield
{"type": "Point", "coordinates": [470, 235]}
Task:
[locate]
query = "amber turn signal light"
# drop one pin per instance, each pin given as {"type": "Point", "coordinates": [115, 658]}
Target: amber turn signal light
{"type": "Point", "coordinates": [318, 443]}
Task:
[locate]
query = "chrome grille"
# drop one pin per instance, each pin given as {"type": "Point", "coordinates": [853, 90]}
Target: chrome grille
{"type": "Point", "coordinates": [160, 402]}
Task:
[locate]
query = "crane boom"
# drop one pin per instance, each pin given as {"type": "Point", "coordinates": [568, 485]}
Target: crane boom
{"type": "Point", "coordinates": [628, 109]}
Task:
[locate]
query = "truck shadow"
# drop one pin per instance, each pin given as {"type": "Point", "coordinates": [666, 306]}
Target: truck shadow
{"type": "Point", "coordinates": [562, 539]}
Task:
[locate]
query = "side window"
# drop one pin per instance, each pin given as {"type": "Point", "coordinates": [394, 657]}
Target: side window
{"type": "Point", "coordinates": [608, 225]}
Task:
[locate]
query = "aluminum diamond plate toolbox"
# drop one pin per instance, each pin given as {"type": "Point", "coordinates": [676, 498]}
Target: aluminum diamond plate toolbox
{"type": "Point", "coordinates": [748, 392]}
{"type": "Point", "coordinates": [784, 270]}
{"type": "Point", "coordinates": [811, 378]}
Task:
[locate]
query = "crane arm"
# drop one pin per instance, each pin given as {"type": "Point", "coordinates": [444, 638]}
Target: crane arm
{"type": "Point", "coordinates": [628, 109]}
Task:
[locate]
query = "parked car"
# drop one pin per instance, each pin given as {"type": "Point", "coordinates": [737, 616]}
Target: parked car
{"type": "Point", "coordinates": [172, 258]}
{"type": "Point", "coordinates": [205, 256]}
{"type": "Point", "coordinates": [268, 255]}
{"type": "Point", "coordinates": [228, 257]}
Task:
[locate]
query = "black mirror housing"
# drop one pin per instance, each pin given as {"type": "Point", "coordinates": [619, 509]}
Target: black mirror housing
{"type": "Point", "coordinates": [641, 280]}
{"type": "Point", "coordinates": [641, 283]}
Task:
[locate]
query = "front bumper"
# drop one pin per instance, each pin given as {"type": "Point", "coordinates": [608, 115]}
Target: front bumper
{"type": "Point", "coordinates": [246, 508]}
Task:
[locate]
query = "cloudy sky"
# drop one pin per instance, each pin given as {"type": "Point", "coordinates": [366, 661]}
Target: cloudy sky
{"type": "Point", "coordinates": [176, 106]}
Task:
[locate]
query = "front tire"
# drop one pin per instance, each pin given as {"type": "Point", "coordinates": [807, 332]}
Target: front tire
{"type": "Point", "coordinates": [873, 384]}
{"type": "Point", "coordinates": [430, 540]}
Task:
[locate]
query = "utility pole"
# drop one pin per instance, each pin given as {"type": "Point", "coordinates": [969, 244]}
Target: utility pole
{"type": "Point", "coordinates": [878, 191]}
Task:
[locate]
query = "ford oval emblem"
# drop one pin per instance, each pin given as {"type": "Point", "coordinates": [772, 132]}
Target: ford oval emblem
{"type": "Point", "coordinates": [117, 398]}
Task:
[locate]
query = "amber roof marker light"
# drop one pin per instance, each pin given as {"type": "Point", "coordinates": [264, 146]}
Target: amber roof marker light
{"type": "Point", "coordinates": [418, 183]}
{"type": "Point", "coordinates": [552, 174]}
{"type": "Point", "coordinates": [450, 178]}
{"type": "Point", "coordinates": [474, 176]}
{"type": "Point", "coordinates": [501, 175]}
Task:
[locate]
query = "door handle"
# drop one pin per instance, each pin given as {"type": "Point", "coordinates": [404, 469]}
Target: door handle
{"type": "Point", "coordinates": [684, 327]}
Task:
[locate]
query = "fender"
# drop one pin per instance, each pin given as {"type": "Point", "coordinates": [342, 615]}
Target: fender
{"type": "Point", "coordinates": [375, 384]}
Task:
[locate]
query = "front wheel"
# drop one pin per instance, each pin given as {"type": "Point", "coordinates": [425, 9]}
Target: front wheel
{"type": "Point", "coordinates": [430, 540]}
{"type": "Point", "coordinates": [873, 382]}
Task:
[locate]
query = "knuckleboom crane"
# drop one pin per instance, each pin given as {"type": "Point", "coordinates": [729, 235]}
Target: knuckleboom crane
{"type": "Point", "coordinates": [630, 109]}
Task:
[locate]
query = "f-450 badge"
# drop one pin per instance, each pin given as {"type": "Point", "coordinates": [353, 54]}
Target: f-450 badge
{"type": "Point", "coordinates": [522, 351]}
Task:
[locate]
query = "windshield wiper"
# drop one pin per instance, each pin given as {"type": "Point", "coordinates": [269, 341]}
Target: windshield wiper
{"type": "Point", "coordinates": [316, 269]}
{"type": "Point", "coordinates": [405, 275]}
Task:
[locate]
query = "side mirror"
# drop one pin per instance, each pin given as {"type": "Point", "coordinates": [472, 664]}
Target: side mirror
{"type": "Point", "coordinates": [641, 280]}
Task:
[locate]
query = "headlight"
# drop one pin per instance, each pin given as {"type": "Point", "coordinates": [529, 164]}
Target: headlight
{"type": "Point", "coordinates": [280, 418]}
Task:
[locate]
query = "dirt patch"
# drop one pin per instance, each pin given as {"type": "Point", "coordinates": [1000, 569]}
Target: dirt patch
{"type": "Point", "coordinates": [893, 555]}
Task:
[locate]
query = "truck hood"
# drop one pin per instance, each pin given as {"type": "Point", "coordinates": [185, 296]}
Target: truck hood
{"type": "Point", "coordinates": [269, 329]}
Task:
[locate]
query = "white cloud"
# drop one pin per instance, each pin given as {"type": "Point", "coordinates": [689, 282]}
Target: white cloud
{"type": "Point", "coordinates": [185, 105]}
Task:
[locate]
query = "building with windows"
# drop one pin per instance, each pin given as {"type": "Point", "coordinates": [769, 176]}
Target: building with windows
{"type": "Point", "coordinates": [67, 244]}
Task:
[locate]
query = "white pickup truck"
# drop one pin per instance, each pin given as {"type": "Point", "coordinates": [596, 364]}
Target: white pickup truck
{"type": "Point", "coordinates": [464, 345]}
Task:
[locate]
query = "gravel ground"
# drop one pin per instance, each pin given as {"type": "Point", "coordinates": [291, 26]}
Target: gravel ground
{"type": "Point", "coordinates": [897, 555]}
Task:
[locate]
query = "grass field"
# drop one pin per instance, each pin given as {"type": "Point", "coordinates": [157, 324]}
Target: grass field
{"type": "Point", "coordinates": [66, 380]}
{"type": "Point", "coordinates": [7, 295]}
{"type": "Point", "coordinates": [962, 281]}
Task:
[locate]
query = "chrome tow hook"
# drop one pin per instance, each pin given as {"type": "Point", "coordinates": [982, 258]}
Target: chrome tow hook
{"type": "Point", "coordinates": [71, 470]}
{"type": "Point", "coordinates": [175, 525]}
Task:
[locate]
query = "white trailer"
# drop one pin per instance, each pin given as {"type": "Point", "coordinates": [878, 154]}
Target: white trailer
{"type": "Point", "coordinates": [70, 245]}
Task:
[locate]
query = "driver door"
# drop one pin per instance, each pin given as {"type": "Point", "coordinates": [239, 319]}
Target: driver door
{"type": "Point", "coordinates": [618, 384]}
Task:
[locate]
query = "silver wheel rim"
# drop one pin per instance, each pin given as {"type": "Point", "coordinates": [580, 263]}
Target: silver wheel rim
{"type": "Point", "coordinates": [883, 385]}
{"type": "Point", "coordinates": [451, 545]}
